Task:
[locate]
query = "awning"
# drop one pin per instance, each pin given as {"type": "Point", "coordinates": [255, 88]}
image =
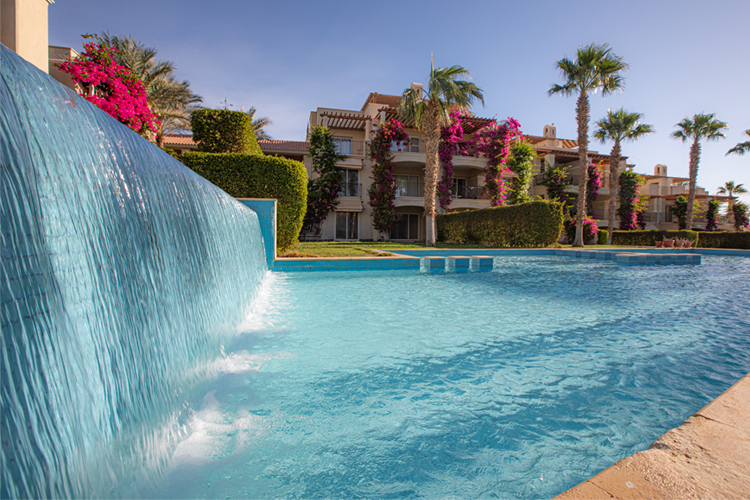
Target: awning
{"type": "Point", "coordinates": [349, 205]}
{"type": "Point", "coordinates": [350, 164]}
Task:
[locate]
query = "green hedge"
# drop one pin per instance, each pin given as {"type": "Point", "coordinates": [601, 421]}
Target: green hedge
{"type": "Point", "coordinates": [253, 176]}
{"type": "Point", "coordinates": [224, 131]}
{"type": "Point", "coordinates": [533, 224]}
{"type": "Point", "coordinates": [602, 235]}
{"type": "Point", "coordinates": [721, 239]}
{"type": "Point", "coordinates": [649, 238]}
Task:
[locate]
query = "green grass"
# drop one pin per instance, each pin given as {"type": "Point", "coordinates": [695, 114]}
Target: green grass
{"type": "Point", "coordinates": [367, 248]}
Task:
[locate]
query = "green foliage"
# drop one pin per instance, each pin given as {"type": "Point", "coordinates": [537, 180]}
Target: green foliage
{"type": "Point", "coordinates": [533, 224]}
{"type": "Point", "coordinates": [649, 238]}
{"type": "Point", "coordinates": [555, 179]}
{"type": "Point", "coordinates": [680, 210]}
{"type": "Point", "coordinates": [603, 235]}
{"type": "Point", "coordinates": [741, 222]}
{"type": "Point", "coordinates": [322, 191]}
{"type": "Point", "coordinates": [224, 131]}
{"type": "Point", "coordinates": [171, 152]}
{"type": "Point", "coordinates": [720, 239]}
{"type": "Point", "coordinates": [713, 210]}
{"type": "Point", "coordinates": [521, 163]}
{"type": "Point", "coordinates": [253, 176]}
{"type": "Point", "coordinates": [628, 210]}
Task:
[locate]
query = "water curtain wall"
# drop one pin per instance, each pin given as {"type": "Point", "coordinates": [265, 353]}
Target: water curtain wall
{"type": "Point", "coordinates": [122, 274]}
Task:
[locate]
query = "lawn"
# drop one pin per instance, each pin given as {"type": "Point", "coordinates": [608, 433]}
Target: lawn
{"type": "Point", "coordinates": [368, 248]}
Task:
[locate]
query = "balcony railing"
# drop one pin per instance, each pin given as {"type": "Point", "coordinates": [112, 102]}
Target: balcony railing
{"type": "Point", "coordinates": [352, 148]}
{"type": "Point", "coordinates": [468, 193]}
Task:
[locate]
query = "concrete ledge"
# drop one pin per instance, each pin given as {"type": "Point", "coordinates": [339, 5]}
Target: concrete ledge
{"type": "Point", "coordinates": [708, 456]}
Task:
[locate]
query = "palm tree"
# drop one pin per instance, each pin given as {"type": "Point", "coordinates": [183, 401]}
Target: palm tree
{"type": "Point", "coordinates": [259, 124]}
{"type": "Point", "coordinates": [730, 189]}
{"type": "Point", "coordinates": [428, 109]}
{"type": "Point", "coordinates": [595, 68]}
{"type": "Point", "coordinates": [618, 126]}
{"type": "Point", "coordinates": [702, 126]}
{"type": "Point", "coordinates": [742, 147]}
{"type": "Point", "coordinates": [171, 100]}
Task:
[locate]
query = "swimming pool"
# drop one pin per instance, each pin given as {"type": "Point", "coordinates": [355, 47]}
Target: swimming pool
{"type": "Point", "coordinates": [518, 383]}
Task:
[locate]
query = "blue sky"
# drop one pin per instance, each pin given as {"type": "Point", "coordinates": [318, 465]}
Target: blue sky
{"type": "Point", "coordinates": [288, 58]}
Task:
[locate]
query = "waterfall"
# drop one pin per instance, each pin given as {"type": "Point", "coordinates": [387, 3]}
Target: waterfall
{"type": "Point", "coordinates": [122, 274]}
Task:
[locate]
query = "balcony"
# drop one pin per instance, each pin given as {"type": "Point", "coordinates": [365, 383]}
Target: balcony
{"type": "Point", "coordinates": [469, 193]}
{"type": "Point", "coordinates": [409, 190]}
{"type": "Point", "coordinates": [352, 148]}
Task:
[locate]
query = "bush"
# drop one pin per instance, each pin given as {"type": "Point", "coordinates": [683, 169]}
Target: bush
{"type": "Point", "coordinates": [253, 176]}
{"type": "Point", "coordinates": [533, 224]}
{"type": "Point", "coordinates": [589, 229]}
{"type": "Point", "coordinates": [603, 235]}
{"type": "Point", "coordinates": [224, 131]}
{"type": "Point", "coordinates": [733, 239]}
{"type": "Point", "coordinates": [649, 238]}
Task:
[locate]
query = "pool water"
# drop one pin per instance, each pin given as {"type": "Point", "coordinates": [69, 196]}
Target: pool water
{"type": "Point", "coordinates": [516, 383]}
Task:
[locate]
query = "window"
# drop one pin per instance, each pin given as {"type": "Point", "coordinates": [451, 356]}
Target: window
{"type": "Point", "coordinates": [414, 144]}
{"type": "Point", "coordinates": [458, 188]}
{"type": "Point", "coordinates": [343, 146]}
{"type": "Point", "coordinates": [407, 185]}
{"type": "Point", "coordinates": [349, 183]}
{"type": "Point", "coordinates": [406, 227]}
{"type": "Point", "coordinates": [347, 226]}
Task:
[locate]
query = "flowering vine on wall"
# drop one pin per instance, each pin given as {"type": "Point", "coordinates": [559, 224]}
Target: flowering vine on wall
{"type": "Point", "coordinates": [322, 191]}
{"type": "Point", "coordinates": [382, 192]}
{"type": "Point", "coordinates": [628, 210]}
{"type": "Point", "coordinates": [494, 141]}
{"type": "Point", "coordinates": [451, 143]}
{"type": "Point", "coordinates": [115, 90]}
{"type": "Point", "coordinates": [594, 182]}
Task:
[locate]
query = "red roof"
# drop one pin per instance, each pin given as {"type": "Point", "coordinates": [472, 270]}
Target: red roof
{"type": "Point", "coordinates": [272, 145]}
{"type": "Point", "coordinates": [181, 139]}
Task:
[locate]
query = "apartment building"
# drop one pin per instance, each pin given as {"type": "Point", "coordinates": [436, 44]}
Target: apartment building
{"type": "Point", "coordinates": [353, 129]}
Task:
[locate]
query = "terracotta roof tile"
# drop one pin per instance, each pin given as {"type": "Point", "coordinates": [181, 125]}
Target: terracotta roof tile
{"type": "Point", "coordinates": [274, 145]}
{"type": "Point", "coordinates": [182, 139]}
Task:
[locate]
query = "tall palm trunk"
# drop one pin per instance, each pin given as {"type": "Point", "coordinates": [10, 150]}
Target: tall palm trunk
{"type": "Point", "coordinates": [614, 172]}
{"type": "Point", "coordinates": [582, 112]}
{"type": "Point", "coordinates": [432, 167]}
{"type": "Point", "coordinates": [695, 157]}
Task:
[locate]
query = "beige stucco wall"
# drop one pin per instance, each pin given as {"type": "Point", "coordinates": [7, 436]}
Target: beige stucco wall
{"type": "Point", "coordinates": [23, 29]}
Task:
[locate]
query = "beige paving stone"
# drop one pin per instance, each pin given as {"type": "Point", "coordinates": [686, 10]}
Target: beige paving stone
{"type": "Point", "coordinates": [732, 407]}
{"type": "Point", "coordinates": [584, 491]}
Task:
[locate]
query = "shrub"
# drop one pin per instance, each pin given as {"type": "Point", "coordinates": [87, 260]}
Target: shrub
{"type": "Point", "coordinates": [648, 238]}
{"type": "Point", "coordinates": [521, 163]}
{"type": "Point", "coordinates": [253, 176]}
{"type": "Point", "coordinates": [533, 224]}
{"type": "Point", "coordinates": [679, 210]}
{"type": "Point", "coordinates": [628, 210]}
{"type": "Point", "coordinates": [322, 191]}
{"type": "Point", "coordinates": [602, 236]}
{"type": "Point", "coordinates": [741, 222]}
{"type": "Point", "coordinates": [589, 229]}
{"type": "Point", "coordinates": [713, 209]}
{"type": "Point", "coordinates": [733, 239]}
{"type": "Point", "coordinates": [224, 131]}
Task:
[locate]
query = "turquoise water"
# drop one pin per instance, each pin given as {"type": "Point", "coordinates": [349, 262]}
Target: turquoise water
{"type": "Point", "coordinates": [518, 383]}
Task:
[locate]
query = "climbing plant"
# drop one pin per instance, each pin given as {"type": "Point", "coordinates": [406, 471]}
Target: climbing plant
{"type": "Point", "coordinates": [555, 178]}
{"type": "Point", "coordinates": [323, 190]}
{"type": "Point", "coordinates": [629, 182]}
{"type": "Point", "coordinates": [494, 141]}
{"type": "Point", "coordinates": [451, 143]}
{"type": "Point", "coordinates": [741, 221]}
{"type": "Point", "coordinates": [382, 192]}
{"type": "Point", "coordinates": [711, 213]}
{"type": "Point", "coordinates": [679, 210]}
{"type": "Point", "coordinates": [521, 163]}
{"type": "Point", "coordinates": [593, 184]}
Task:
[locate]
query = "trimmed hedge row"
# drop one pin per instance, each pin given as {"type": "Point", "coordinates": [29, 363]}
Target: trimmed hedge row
{"type": "Point", "coordinates": [706, 239]}
{"type": "Point", "coordinates": [253, 176]}
{"type": "Point", "coordinates": [533, 224]}
{"type": "Point", "coordinates": [649, 238]}
{"type": "Point", "coordinates": [602, 236]}
{"type": "Point", "coordinates": [721, 239]}
{"type": "Point", "coordinates": [224, 131]}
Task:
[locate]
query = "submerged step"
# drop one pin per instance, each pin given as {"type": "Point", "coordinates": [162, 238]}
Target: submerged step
{"type": "Point", "coordinates": [482, 262]}
{"type": "Point", "coordinates": [433, 264]}
{"type": "Point", "coordinates": [650, 259]}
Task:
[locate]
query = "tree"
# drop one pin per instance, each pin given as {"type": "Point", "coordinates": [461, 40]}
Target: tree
{"type": "Point", "coordinates": [742, 147]}
{"type": "Point", "coordinates": [595, 68]}
{"type": "Point", "coordinates": [428, 109]}
{"type": "Point", "coordinates": [259, 124]}
{"type": "Point", "coordinates": [171, 100]}
{"type": "Point", "coordinates": [730, 189]}
{"type": "Point", "coordinates": [618, 126]}
{"type": "Point", "coordinates": [702, 126]}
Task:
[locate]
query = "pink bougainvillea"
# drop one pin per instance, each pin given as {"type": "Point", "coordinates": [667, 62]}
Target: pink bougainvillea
{"type": "Point", "coordinates": [494, 141]}
{"type": "Point", "coordinates": [382, 192]}
{"type": "Point", "coordinates": [111, 86]}
{"type": "Point", "coordinates": [451, 143]}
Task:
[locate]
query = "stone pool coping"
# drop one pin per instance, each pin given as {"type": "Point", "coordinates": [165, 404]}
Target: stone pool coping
{"type": "Point", "coordinates": [708, 456]}
{"type": "Point", "coordinates": [403, 259]}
